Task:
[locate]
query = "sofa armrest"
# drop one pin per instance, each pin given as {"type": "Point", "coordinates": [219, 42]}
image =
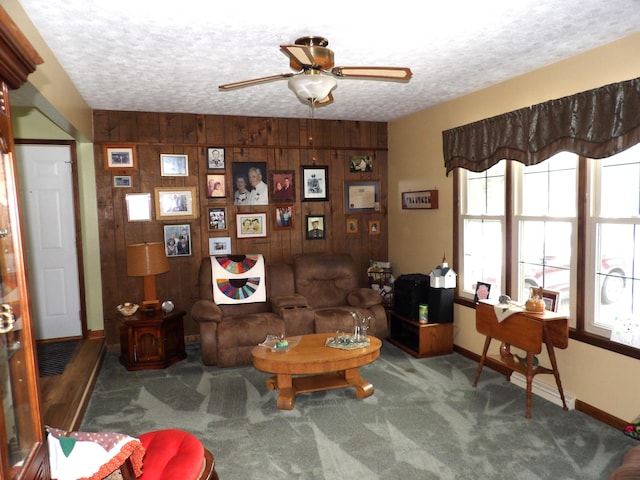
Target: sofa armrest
{"type": "Point", "coordinates": [282, 302]}
{"type": "Point", "coordinates": [206, 311]}
{"type": "Point", "coordinates": [364, 298]}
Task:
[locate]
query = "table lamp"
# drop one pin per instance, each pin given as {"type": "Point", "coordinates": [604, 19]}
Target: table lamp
{"type": "Point", "coordinates": [147, 260]}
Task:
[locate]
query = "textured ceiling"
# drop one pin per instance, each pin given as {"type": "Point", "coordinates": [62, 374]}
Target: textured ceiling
{"type": "Point", "coordinates": [170, 56]}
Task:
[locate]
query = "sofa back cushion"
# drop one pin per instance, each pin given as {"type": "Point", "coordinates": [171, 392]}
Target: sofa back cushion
{"type": "Point", "coordinates": [325, 279]}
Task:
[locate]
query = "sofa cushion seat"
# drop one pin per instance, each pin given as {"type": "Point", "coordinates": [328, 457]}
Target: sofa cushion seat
{"type": "Point", "coordinates": [336, 319]}
{"type": "Point", "coordinates": [237, 335]}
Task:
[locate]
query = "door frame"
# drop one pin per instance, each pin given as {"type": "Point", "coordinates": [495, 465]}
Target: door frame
{"type": "Point", "coordinates": [76, 217]}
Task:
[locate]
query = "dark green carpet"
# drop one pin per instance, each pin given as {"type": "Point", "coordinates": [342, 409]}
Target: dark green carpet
{"type": "Point", "coordinates": [423, 422]}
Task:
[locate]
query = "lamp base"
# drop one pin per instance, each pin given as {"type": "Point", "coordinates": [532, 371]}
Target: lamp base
{"type": "Point", "coordinates": [150, 305]}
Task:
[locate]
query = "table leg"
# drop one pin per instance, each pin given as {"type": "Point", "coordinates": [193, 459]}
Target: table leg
{"type": "Point", "coordinates": [283, 383]}
{"type": "Point", "coordinates": [530, 360]}
{"type": "Point", "coordinates": [363, 388]}
{"type": "Point", "coordinates": [487, 342]}
{"type": "Point", "coordinates": [554, 366]}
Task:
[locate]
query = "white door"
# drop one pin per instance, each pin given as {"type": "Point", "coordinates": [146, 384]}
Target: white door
{"type": "Point", "coordinates": [46, 191]}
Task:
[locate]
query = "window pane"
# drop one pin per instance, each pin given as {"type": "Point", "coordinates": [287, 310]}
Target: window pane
{"type": "Point", "coordinates": [485, 191]}
{"type": "Point", "coordinates": [549, 188]}
{"type": "Point", "coordinates": [616, 292]}
{"type": "Point", "coordinates": [545, 258]}
{"type": "Point", "coordinates": [620, 184]}
{"type": "Point", "coordinates": [482, 255]}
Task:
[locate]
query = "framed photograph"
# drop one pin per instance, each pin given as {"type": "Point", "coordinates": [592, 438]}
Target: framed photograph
{"type": "Point", "coordinates": [122, 181]}
{"type": "Point", "coordinates": [138, 207]}
{"type": "Point", "coordinates": [216, 186]}
{"type": "Point", "coordinates": [176, 203]}
{"type": "Point", "coordinates": [315, 184]}
{"type": "Point", "coordinates": [251, 225]}
{"type": "Point", "coordinates": [119, 158]}
{"type": "Point", "coordinates": [352, 226]}
{"type": "Point", "coordinates": [361, 197]}
{"type": "Point", "coordinates": [315, 227]}
{"type": "Point", "coordinates": [174, 165]}
{"type": "Point", "coordinates": [482, 291]}
{"type": "Point", "coordinates": [360, 163]}
{"type": "Point", "coordinates": [217, 218]}
{"type": "Point", "coordinates": [249, 183]}
{"type": "Point", "coordinates": [551, 299]}
{"type": "Point", "coordinates": [284, 217]}
{"type": "Point", "coordinates": [220, 246]}
{"type": "Point", "coordinates": [374, 227]}
{"type": "Point", "coordinates": [424, 199]}
{"type": "Point", "coordinates": [177, 240]}
{"type": "Point", "coordinates": [215, 158]}
{"type": "Point", "coordinates": [282, 186]}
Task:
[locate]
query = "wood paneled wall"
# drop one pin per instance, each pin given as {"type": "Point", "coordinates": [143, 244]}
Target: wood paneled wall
{"type": "Point", "coordinates": [284, 144]}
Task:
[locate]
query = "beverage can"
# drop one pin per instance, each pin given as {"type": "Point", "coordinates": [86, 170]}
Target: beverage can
{"type": "Point", "coordinates": [423, 313]}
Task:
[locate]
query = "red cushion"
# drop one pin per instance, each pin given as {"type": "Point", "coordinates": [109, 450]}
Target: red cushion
{"type": "Point", "coordinates": [171, 454]}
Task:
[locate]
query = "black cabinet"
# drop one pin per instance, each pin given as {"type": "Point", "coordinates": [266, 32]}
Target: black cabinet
{"type": "Point", "coordinates": [410, 291]}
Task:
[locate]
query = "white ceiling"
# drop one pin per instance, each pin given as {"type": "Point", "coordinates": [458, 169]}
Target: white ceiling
{"type": "Point", "coordinates": [170, 56]}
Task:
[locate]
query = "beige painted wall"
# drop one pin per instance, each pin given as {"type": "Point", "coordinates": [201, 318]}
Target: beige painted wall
{"type": "Point", "coordinates": [62, 113]}
{"type": "Point", "coordinates": [417, 239]}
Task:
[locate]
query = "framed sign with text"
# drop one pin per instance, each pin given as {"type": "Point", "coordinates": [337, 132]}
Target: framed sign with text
{"type": "Point", "coordinates": [424, 199]}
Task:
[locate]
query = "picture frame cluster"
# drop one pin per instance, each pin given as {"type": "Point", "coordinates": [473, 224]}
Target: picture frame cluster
{"type": "Point", "coordinates": [259, 199]}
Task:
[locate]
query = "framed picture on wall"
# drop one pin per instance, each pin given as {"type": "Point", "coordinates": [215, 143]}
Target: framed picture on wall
{"type": "Point", "coordinates": [360, 163]}
{"type": "Point", "coordinates": [119, 157]}
{"type": "Point", "coordinates": [138, 207]}
{"type": "Point", "coordinates": [122, 181]}
{"type": "Point", "coordinates": [177, 240]}
{"type": "Point", "coordinates": [251, 225]}
{"type": "Point", "coordinates": [374, 227]}
{"type": "Point", "coordinates": [249, 183]}
{"type": "Point", "coordinates": [220, 246]}
{"type": "Point", "coordinates": [361, 197]}
{"type": "Point", "coordinates": [315, 227]}
{"type": "Point", "coordinates": [216, 186]}
{"type": "Point", "coordinates": [424, 199]}
{"type": "Point", "coordinates": [284, 217]}
{"type": "Point", "coordinates": [217, 218]}
{"type": "Point", "coordinates": [176, 203]}
{"type": "Point", "coordinates": [352, 226]}
{"type": "Point", "coordinates": [282, 186]}
{"type": "Point", "coordinates": [174, 165]}
{"type": "Point", "coordinates": [215, 158]}
{"type": "Point", "coordinates": [315, 183]}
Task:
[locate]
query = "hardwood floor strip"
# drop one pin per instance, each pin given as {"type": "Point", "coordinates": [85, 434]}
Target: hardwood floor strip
{"type": "Point", "coordinates": [65, 397]}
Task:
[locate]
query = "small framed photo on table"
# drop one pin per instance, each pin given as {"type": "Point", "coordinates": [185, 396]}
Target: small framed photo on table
{"type": "Point", "coordinates": [551, 299]}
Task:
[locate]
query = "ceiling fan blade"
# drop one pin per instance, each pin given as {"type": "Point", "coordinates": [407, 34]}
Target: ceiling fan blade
{"type": "Point", "coordinates": [382, 73]}
{"type": "Point", "coordinates": [300, 54]}
{"type": "Point", "coordinates": [254, 81]}
{"type": "Point", "coordinates": [325, 101]}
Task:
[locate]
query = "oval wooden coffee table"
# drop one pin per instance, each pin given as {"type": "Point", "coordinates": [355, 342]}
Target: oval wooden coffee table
{"type": "Point", "coordinates": [319, 367]}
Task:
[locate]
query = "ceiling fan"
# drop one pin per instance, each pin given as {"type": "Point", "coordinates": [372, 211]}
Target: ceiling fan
{"type": "Point", "coordinates": [316, 77]}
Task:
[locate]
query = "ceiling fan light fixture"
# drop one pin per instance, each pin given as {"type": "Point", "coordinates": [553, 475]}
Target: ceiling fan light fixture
{"type": "Point", "coordinates": [312, 88]}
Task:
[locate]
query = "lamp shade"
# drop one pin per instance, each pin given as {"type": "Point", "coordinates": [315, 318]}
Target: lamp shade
{"type": "Point", "coordinates": [312, 87]}
{"type": "Point", "coordinates": [144, 259]}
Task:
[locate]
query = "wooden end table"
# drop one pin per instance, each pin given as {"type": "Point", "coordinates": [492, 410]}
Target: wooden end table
{"type": "Point", "coordinates": [152, 341]}
{"type": "Point", "coordinates": [319, 367]}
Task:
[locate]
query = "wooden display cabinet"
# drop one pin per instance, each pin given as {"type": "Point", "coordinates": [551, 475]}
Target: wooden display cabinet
{"type": "Point", "coordinates": [420, 339]}
{"type": "Point", "coordinates": [152, 341]}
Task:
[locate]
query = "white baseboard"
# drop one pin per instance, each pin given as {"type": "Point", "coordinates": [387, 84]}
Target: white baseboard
{"type": "Point", "coordinates": [545, 391]}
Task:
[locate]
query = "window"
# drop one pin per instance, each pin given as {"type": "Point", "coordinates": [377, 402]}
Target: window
{"type": "Point", "coordinates": [568, 224]}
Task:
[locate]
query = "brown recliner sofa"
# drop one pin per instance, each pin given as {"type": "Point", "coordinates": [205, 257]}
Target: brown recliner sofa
{"type": "Point", "coordinates": [315, 293]}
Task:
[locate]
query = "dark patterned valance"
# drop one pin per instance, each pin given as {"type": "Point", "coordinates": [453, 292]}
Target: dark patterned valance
{"type": "Point", "coordinates": [597, 123]}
